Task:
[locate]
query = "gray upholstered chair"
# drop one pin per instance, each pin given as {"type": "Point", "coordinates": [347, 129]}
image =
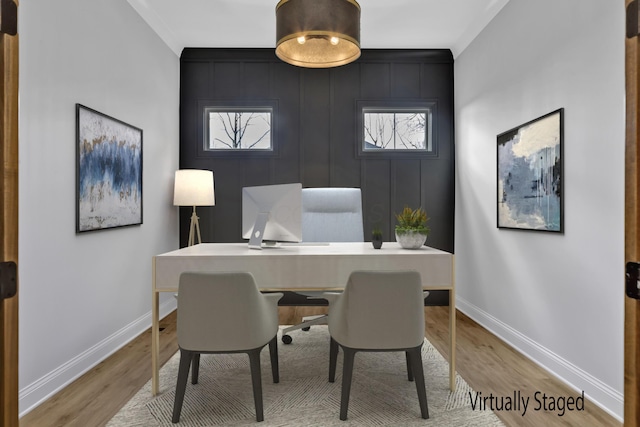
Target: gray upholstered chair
{"type": "Point", "coordinates": [378, 311]}
{"type": "Point", "coordinates": [332, 214]}
{"type": "Point", "coordinates": [329, 214]}
{"type": "Point", "coordinates": [207, 302]}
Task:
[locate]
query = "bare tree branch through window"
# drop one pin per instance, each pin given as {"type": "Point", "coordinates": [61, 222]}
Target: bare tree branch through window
{"type": "Point", "coordinates": [239, 129]}
{"type": "Point", "coordinates": [396, 130]}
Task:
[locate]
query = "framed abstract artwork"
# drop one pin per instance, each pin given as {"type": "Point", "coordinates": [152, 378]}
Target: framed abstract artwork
{"type": "Point", "coordinates": [530, 175]}
{"type": "Point", "coordinates": [108, 172]}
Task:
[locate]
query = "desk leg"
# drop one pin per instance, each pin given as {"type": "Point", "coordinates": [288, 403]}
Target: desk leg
{"type": "Point", "coordinates": [452, 339]}
{"type": "Point", "coordinates": [155, 335]}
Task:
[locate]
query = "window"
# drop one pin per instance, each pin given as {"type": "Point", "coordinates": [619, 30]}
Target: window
{"type": "Point", "coordinates": [238, 128]}
{"type": "Point", "coordinates": [402, 128]}
{"type": "Point", "coordinates": [396, 130]}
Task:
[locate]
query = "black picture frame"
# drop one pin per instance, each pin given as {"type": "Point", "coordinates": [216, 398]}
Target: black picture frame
{"type": "Point", "coordinates": [530, 175]}
{"type": "Point", "coordinates": [108, 172]}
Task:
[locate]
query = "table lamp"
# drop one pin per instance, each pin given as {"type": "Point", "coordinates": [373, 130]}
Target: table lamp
{"type": "Point", "coordinates": [194, 187]}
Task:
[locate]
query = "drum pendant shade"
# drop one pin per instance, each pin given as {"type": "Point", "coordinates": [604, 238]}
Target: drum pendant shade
{"type": "Point", "coordinates": [318, 33]}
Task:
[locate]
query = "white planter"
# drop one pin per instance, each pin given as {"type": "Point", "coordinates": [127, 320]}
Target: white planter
{"type": "Point", "coordinates": [411, 239]}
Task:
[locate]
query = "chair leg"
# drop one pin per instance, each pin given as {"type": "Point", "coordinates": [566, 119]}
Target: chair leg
{"type": "Point", "coordinates": [333, 359]}
{"type": "Point", "coordinates": [409, 372]}
{"type": "Point", "coordinates": [181, 386]}
{"type": "Point", "coordinates": [195, 368]}
{"type": "Point", "coordinates": [256, 380]}
{"type": "Point", "coordinates": [347, 374]}
{"type": "Point", "coordinates": [273, 353]}
{"type": "Point", "coordinates": [415, 357]}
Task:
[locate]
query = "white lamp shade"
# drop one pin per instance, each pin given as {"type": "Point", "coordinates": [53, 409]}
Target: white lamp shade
{"type": "Point", "coordinates": [193, 187]}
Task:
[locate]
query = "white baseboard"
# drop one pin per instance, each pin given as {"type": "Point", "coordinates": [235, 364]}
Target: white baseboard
{"type": "Point", "coordinates": [595, 390]}
{"type": "Point", "coordinates": [37, 392]}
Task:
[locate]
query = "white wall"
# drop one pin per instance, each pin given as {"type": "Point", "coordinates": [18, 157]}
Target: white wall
{"type": "Point", "coordinates": [82, 296]}
{"type": "Point", "coordinates": [558, 298]}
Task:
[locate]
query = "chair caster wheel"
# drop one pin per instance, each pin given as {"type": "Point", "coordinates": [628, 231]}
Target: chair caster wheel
{"type": "Point", "coordinates": [307, 328]}
{"type": "Point", "coordinates": [287, 339]}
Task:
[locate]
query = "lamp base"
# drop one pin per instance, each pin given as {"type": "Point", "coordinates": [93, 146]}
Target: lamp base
{"type": "Point", "coordinates": [194, 228]}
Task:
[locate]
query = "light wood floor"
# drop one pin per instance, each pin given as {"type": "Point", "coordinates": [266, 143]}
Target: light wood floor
{"type": "Point", "coordinates": [484, 361]}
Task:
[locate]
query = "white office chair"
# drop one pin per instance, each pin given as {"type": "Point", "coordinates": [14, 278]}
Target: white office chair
{"type": "Point", "coordinates": [378, 311]}
{"type": "Point", "coordinates": [329, 214]}
{"type": "Point", "coordinates": [206, 303]}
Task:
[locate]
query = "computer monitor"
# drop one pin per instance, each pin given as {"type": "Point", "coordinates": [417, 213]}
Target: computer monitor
{"type": "Point", "coordinates": [271, 214]}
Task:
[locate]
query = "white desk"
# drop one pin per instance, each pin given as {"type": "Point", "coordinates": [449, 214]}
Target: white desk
{"type": "Point", "coordinates": [298, 268]}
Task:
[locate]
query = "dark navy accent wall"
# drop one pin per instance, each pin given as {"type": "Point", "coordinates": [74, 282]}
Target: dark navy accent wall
{"type": "Point", "coordinates": [315, 133]}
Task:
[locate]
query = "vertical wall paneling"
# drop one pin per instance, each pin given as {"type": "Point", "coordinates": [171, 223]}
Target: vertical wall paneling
{"type": "Point", "coordinates": [195, 79]}
{"type": "Point", "coordinates": [345, 168]}
{"type": "Point", "coordinates": [316, 119]}
{"type": "Point", "coordinates": [375, 80]}
{"type": "Point", "coordinates": [228, 82]}
{"type": "Point", "coordinates": [256, 79]}
{"type": "Point", "coordinates": [376, 197]}
{"type": "Point", "coordinates": [315, 133]}
{"type": "Point", "coordinates": [405, 80]}
{"type": "Point", "coordinates": [405, 173]}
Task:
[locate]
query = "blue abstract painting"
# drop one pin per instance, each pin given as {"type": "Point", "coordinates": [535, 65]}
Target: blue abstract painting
{"type": "Point", "coordinates": [530, 175]}
{"type": "Point", "coordinates": [109, 172]}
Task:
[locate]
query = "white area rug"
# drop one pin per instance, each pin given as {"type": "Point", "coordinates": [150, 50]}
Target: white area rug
{"type": "Point", "coordinates": [380, 393]}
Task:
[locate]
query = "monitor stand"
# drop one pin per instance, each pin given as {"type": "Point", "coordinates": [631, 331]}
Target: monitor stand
{"type": "Point", "coordinates": [255, 241]}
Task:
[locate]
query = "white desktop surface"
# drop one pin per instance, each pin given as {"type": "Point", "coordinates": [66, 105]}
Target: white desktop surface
{"type": "Point", "coordinates": [298, 268]}
{"type": "Point", "coordinates": [303, 267]}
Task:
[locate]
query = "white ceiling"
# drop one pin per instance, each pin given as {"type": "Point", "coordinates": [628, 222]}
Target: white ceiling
{"type": "Point", "coordinates": [421, 24]}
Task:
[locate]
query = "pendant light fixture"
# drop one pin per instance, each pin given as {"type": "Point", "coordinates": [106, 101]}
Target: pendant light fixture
{"type": "Point", "coordinates": [318, 33]}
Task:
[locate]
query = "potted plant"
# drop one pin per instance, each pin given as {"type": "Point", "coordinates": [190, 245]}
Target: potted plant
{"type": "Point", "coordinates": [376, 237]}
{"type": "Point", "coordinates": [412, 229]}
